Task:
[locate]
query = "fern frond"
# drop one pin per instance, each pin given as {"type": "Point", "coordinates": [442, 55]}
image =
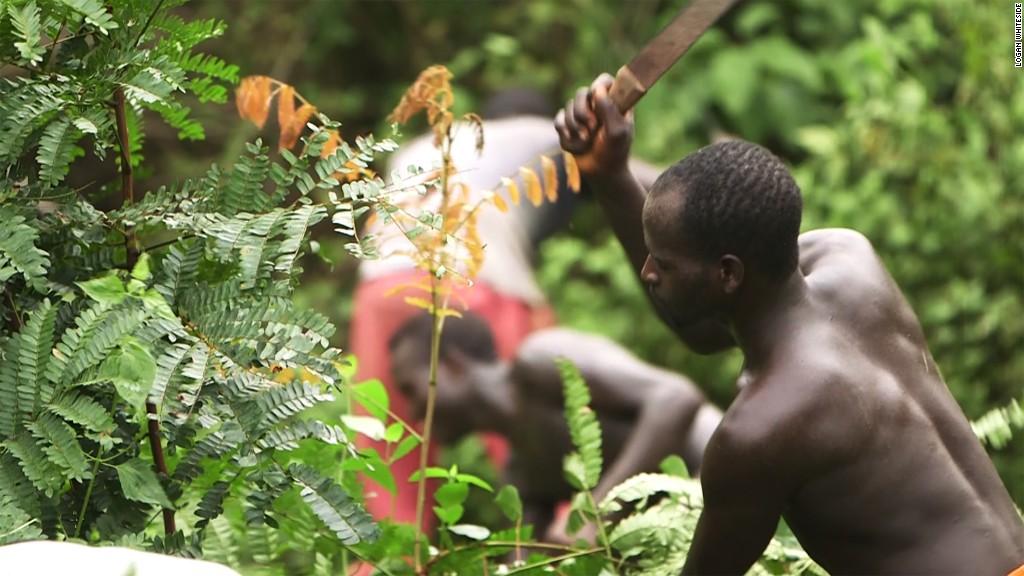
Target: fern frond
{"type": "Point", "coordinates": [97, 333]}
{"type": "Point", "coordinates": [26, 24]}
{"type": "Point", "coordinates": [29, 105]}
{"type": "Point", "coordinates": [93, 13]}
{"type": "Point", "coordinates": [82, 410]}
{"type": "Point", "coordinates": [297, 224]}
{"type": "Point", "coordinates": [57, 149]}
{"type": "Point", "coordinates": [244, 187]}
{"type": "Point", "coordinates": [35, 353]}
{"type": "Point", "coordinates": [656, 539]}
{"type": "Point", "coordinates": [341, 513]}
{"type": "Point", "coordinates": [23, 387]}
{"type": "Point", "coordinates": [16, 485]}
{"type": "Point", "coordinates": [287, 437]}
{"type": "Point", "coordinates": [642, 486]}
{"type": "Point", "coordinates": [44, 474]}
{"type": "Point", "coordinates": [16, 525]}
{"type": "Point", "coordinates": [212, 503]}
{"type": "Point", "coordinates": [583, 425]}
{"type": "Point", "coordinates": [215, 445]}
{"type": "Point", "coordinates": [18, 251]}
{"type": "Point", "coordinates": [996, 426]}
{"type": "Point", "coordinates": [11, 390]}
{"type": "Point", "coordinates": [281, 403]}
{"type": "Point", "coordinates": [61, 445]}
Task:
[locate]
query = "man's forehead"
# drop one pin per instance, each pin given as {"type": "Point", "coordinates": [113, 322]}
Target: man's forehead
{"type": "Point", "coordinates": [659, 214]}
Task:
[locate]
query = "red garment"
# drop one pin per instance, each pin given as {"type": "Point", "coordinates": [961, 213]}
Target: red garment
{"type": "Point", "coordinates": [376, 315]}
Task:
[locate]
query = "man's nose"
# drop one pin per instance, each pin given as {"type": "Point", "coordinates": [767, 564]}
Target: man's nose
{"type": "Point", "coordinates": [649, 274]}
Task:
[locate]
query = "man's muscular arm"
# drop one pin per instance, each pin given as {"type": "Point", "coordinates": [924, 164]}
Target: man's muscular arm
{"type": "Point", "coordinates": [599, 136]}
{"type": "Point", "coordinates": [746, 481]}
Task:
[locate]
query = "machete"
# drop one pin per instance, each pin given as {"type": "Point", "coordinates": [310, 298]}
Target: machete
{"type": "Point", "coordinates": [634, 79]}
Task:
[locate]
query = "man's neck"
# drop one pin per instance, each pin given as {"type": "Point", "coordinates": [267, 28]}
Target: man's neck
{"type": "Point", "coordinates": [494, 402]}
{"type": "Point", "coordinates": [768, 312]}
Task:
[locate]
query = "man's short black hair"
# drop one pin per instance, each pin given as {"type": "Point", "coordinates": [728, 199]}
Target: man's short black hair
{"type": "Point", "coordinates": [739, 199]}
{"type": "Point", "coordinates": [469, 334]}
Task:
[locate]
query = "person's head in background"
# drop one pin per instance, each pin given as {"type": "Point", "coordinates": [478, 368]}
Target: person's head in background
{"type": "Point", "coordinates": [467, 362]}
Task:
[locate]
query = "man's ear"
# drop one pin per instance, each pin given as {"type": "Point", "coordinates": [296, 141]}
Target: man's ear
{"type": "Point", "coordinates": [731, 273]}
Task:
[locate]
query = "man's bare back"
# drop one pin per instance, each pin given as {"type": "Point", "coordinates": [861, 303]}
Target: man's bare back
{"type": "Point", "coordinates": [855, 420]}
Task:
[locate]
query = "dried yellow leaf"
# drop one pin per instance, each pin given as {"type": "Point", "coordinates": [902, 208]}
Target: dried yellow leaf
{"type": "Point", "coordinates": [532, 183]}
{"type": "Point", "coordinates": [572, 172]}
{"type": "Point", "coordinates": [499, 202]}
{"type": "Point", "coordinates": [513, 190]}
{"type": "Point", "coordinates": [419, 303]}
{"type": "Point", "coordinates": [550, 179]}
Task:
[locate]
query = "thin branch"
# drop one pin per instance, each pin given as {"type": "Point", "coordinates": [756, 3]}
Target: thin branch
{"type": "Point", "coordinates": [131, 259]}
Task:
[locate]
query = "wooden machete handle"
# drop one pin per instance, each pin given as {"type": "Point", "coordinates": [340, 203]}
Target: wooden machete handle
{"type": "Point", "coordinates": [626, 89]}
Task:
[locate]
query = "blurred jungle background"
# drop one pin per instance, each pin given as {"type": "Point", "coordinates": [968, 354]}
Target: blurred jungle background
{"type": "Point", "coordinates": [901, 119]}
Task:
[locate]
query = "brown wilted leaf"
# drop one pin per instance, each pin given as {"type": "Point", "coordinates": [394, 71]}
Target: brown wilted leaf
{"type": "Point", "coordinates": [550, 179]}
{"type": "Point", "coordinates": [478, 128]}
{"type": "Point", "coordinates": [253, 99]}
{"type": "Point", "coordinates": [332, 143]}
{"type": "Point", "coordinates": [572, 172]}
{"type": "Point", "coordinates": [285, 106]}
{"type": "Point", "coordinates": [513, 189]}
{"type": "Point", "coordinates": [431, 92]}
{"type": "Point", "coordinates": [290, 132]}
{"type": "Point", "coordinates": [532, 182]}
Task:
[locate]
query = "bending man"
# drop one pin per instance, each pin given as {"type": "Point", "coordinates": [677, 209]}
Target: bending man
{"type": "Point", "coordinates": [646, 413]}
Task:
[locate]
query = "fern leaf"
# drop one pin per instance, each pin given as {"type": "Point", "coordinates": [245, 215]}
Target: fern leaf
{"type": "Point", "coordinates": [212, 503]}
{"type": "Point", "coordinates": [15, 485]}
{"type": "Point", "coordinates": [283, 402]}
{"type": "Point", "coordinates": [996, 426]}
{"type": "Point", "coordinates": [296, 227]}
{"type": "Point", "coordinates": [61, 445]}
{"type": "Point", "coordinates": [214, 446]}
{"type": "Point", "coordinates": [14, 410]}
{"type": "Point", "coordinates": [26, 24]}
{"type": "Point", "coordinates": [287, 438]}
{"type": "Point", "coordinates": [342, 514]}
{"type": "Point", "coordinates": [583, 426]}
{"type": "Point", "coordinates": [57, 149]}
{"type": "Point", "coordinates": [178, 270]}
{"type": "Point", "coordinates": [572, 171]}
{"type": "Point", "coordinates": [244, 188]}
{"type": "Point", "coordinates": [16, 525]}
{"type": "Point", "coordinates": [18, 253]}
{"type": "Point", "coordinates": [25, 108]}
{"type": "Point", "coordinates": [82, 410]}
{"type": "Point", "coordinates": [35, 353]}
{"type": "Point", "coordinates": [93, 12]}
{"type": "Point", "coordinates": [44, 474]}
{"type": "Point", "coordinates": [642, 486]}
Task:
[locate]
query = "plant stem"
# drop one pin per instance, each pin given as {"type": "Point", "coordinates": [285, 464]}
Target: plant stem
{"type": "Point", "coordinates": [131, 259]}
{"type": "Point", "coordinates": [88, 494]}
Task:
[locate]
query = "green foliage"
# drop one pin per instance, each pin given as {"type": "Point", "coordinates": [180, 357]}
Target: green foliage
{"type": "Point", "coordinates": [151, 356]}
{"type": "Point", "coordinates": [583, 467]}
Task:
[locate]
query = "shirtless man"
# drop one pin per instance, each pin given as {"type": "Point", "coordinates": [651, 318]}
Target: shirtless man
{"type": "Point", "coordinates": [646, 413]}
{"type": "Point", "coordinates": [842, 424]}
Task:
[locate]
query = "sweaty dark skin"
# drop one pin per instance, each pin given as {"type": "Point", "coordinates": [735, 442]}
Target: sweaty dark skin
{"type": "Point", "coordinates": [646, 413]}
{"type": "Point", "coordinates": [842, 424]}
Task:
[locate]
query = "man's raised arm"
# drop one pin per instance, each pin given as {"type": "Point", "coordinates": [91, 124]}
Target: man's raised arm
{"type": "Point", "coordinates": [599, 137]}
